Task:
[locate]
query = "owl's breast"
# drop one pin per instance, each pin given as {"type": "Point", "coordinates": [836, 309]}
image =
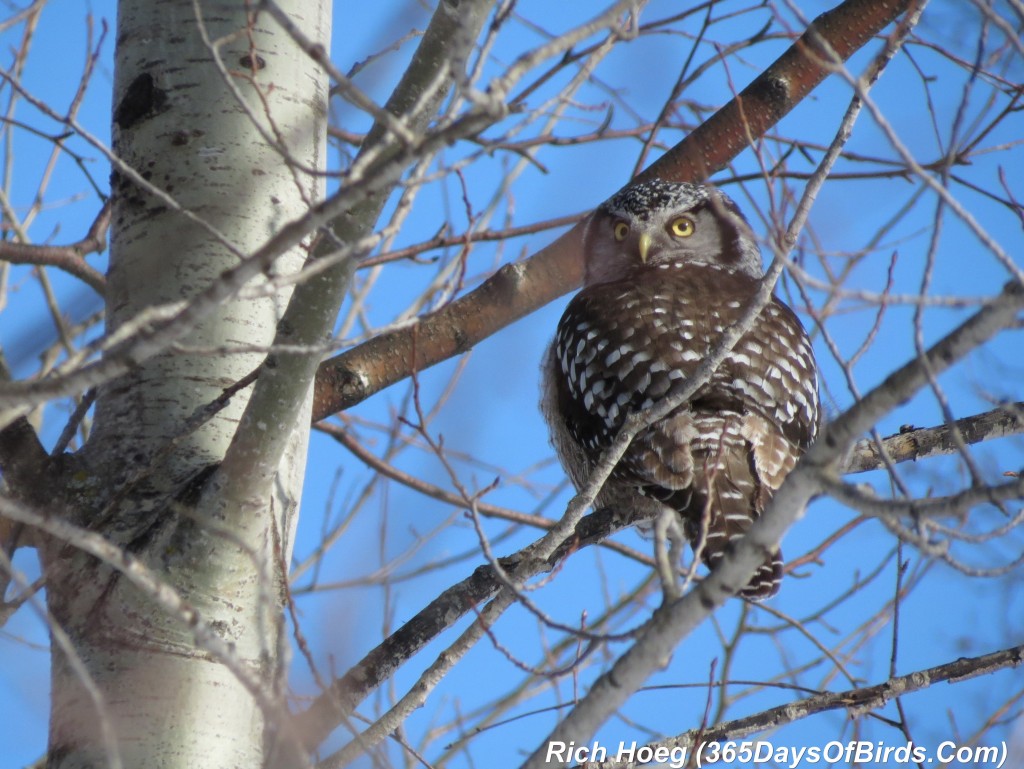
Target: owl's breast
{"type": "Point", "coordinates": [623, 346]}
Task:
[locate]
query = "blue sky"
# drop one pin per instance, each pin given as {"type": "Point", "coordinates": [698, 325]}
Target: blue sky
{"type": "Point", "coordinates": [491, 413]}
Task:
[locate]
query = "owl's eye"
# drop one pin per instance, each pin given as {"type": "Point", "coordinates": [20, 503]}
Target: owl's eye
{"type": "Point", "coordinates": [682, 227]}
{"type": "Point", "coordinates": [621, 230]}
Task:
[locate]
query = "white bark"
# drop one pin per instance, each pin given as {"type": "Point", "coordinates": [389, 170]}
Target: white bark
{"type": "Point", "coordinates": [201, 146]}
{"type": "Point", "coordinates": [233, 143]}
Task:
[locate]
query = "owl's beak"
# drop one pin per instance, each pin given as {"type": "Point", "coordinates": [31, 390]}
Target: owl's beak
{"type": "Point", "coordinates": [644, 246]}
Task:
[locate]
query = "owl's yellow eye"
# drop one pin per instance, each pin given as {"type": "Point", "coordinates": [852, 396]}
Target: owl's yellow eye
{"type": "Point", "coordinates": [682, 227]}
{"type": "Point", "coordinates": [621, 230]}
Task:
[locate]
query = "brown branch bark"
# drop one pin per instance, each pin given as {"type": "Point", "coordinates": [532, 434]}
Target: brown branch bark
{"type": "Point", "coordinates": [518, 289]}
{"type": "Point", "coordinates": [70, 258]}
{"type": "Point", "coordinates": [911, 444]}
{"type": "Point", "coordinates": [855, 701]}
{"type": "Point", "coordinates": [23, 459]}
{"type": "Point", "coordinates": [26, 469]}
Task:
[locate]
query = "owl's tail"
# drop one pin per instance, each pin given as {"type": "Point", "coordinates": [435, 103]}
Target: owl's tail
{"type": "Point", "coordinates": [727, 497]}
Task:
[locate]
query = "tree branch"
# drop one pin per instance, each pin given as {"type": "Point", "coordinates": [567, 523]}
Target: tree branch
{"type": "Point", "coordinates": [24, 466]}
{"type": "Point", "coordinates": [855, 701]}
{"type": "Point", "coordinates": [70, 258]}
{"type": "Point", "coordinates": [911, 444]}
{"type": "Point", "coordinates": [517, 289]}
{"type": "Point", "coordinates": [346, 692]}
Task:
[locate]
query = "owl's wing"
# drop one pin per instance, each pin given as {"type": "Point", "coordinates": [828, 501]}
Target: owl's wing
{"type": "Point", "coordinates": [771, 373]}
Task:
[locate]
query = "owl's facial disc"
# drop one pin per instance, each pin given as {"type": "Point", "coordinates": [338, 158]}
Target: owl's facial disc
{"type": "Point", "coordinates": [651, 222]}
{"type": "Point", "coordinates": [622, 231]}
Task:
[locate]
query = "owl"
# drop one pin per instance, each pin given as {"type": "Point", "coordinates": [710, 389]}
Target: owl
{"type": "Point", "coordinates": [667, 268]}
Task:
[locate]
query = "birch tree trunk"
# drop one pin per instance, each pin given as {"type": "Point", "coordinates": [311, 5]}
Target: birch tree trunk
{"type": "Point", "coordinates": [219, 127]}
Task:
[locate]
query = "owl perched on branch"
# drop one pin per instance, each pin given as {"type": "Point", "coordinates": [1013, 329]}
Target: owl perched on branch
{"type": "Point", "coordinates": [668, 267]}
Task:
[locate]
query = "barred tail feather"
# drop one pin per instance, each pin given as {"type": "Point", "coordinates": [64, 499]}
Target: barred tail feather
{"type": "Point", "coordinates": [728, 496]}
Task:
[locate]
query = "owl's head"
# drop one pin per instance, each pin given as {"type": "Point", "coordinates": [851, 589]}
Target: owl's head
{"type": "Point", "coordinates": [653, 222]}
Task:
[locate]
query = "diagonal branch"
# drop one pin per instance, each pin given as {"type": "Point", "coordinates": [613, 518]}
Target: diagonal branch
{"type": "Point", "coordinates": [911, 444]}
{"type": "Point", "coordinates": [854, 701]}
{"type": "Point", "coordinates": [346, 692]}
{"type": "Point", "coordinates": [517, 289]}
{"type": "Point", "coordinates": [70, 258]}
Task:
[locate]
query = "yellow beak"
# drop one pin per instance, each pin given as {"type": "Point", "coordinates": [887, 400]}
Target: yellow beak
{"type": "Point", "coordinates": [645, 245]}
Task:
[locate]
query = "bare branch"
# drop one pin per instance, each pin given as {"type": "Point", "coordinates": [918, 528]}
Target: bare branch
{"type": "Point", "coordinates": [856, 701]}
{"type": "Point", "coordinates": [346, 692]}
{"type": "Point", "coordinates": [913, 443]}
{"type": "Point", "coordinates": [70, 258]}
